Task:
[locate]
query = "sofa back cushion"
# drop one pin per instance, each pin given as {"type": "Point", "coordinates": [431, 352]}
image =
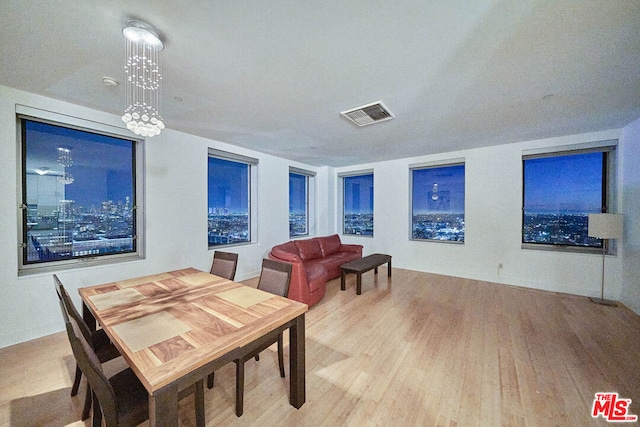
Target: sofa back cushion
{"type": "Point", "coordinates": [330, 244]}
{"type": "Point", "coordinates": [286, 251]}
{"type": "Point", "coordinates": [308, 249]}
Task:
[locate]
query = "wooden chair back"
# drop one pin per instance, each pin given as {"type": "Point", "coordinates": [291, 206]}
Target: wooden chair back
{"type": "Point", "coordinates": [71, 310]}
{"type": "Point", "coordinates": [224, 264]}
{"type": "Point", "coordinates": [275, 277]}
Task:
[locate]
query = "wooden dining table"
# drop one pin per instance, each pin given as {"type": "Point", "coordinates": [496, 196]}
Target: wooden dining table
{"type": "Point", "coordinates": [175, 328]}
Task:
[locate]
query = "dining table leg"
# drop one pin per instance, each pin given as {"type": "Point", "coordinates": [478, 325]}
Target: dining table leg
{"type": "Point", "coordinates": [163, 407]}
{"type": "Point", "coordinates": [297, 363]}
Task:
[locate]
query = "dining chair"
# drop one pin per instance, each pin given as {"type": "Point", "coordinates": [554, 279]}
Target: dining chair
{"type": "Point", "coordinates": [100, 342]}
{"type": "Point", "coordinates": [224, 264]}
{"type": "Point", "coordinates": [274, 278]}
{"type": "Point", "coordinates": [121, 399]}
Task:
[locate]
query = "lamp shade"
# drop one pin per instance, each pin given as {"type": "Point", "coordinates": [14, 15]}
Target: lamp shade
{"type": "Point", "coordinates": [605, 226]}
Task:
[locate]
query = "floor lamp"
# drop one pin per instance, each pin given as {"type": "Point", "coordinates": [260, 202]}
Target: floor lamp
{"type": "Point", "coordinates": [605, 226]}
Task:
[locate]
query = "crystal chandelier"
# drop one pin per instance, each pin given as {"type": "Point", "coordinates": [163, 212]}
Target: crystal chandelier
{"type": "Point", "coordinates": [142, 82]}
{"type": "Point", "coordinates": [65, 160]}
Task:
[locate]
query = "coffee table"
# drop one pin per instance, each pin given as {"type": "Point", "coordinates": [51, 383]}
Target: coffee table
{"type": "Point", "coordinates": [362, 265]}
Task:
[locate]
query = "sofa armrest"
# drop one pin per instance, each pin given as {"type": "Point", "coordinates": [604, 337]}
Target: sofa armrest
{"type": "Point", "coordinates": [281, 255]}
{"type": "Point", "coordinates": [346, 247]}
{"type": "Point", "coordinates": [299, 286]}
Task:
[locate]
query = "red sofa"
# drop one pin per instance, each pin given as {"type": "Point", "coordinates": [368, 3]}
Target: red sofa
{"type": "Point", "coordinates": [314, 262]}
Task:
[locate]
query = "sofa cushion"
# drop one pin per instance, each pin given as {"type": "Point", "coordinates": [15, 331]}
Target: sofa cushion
{"type": "Point", "coordinates": [308, 249]}
{"type": "Point", "coordinates": [329, 244]}
{"type": "Point", "coordinates": [286, 252]}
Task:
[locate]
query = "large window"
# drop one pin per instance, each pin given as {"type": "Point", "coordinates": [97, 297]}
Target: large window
{"type": "Point", "coordinates": [79, 196]}
{"type": "Point", "coordinates": [358, 204]}
{"type": "Point", "coordinates": [229, 198]}
{"type": "Point", "coordinates": [437, 200]}
{"type": "Point", "coordinates": [300, 202]}
{"type": "Point", "coordinates": [560, 191]}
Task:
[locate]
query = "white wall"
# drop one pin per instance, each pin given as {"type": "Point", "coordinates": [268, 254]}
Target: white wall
{"type": "Point", "coordinates": [492, 249]}
{"type": "Point", "coordinates": [176, 225]}
{"type": "Point", "coordinates": [631, 210]}
{"type": "Point", "coordinates": [176, 177]}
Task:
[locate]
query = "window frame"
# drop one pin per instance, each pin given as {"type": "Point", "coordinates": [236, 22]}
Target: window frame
{"type": "Point", "coordinates": [352, 174]}
{"type": "Point", "coordinates": [309, 202]}
{"type": "Point", "coordinates": [608, 196]}
{"type": "Point", "coordinates": [138, 203]}
{"type": "Point", "coordinates": [252, 194]}
{"type": "Point", "coordinates": [435, 165]}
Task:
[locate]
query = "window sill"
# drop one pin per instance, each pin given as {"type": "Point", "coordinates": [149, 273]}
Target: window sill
{"type": "Point", "coordinates": [564, 248]}
{"type": "Point", "coordinates": [54, 267]}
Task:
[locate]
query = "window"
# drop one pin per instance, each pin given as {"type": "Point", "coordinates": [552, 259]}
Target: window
{"type": "Point", "coordinates": [358, 204]}
{"type": "Point", "coordinates": [300, 202]}
{"type": "Point", "coordinates": [437, 203]}
{"type": "Point", "coordinates": [79, 198]}
{"type": "Point", "coordinates": [560, 190]}
{"type": "Point", "coordinates": [229, 200]}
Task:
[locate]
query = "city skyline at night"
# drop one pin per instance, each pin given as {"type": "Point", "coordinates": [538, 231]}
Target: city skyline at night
{"type": "Point", "coordinates": [79, 193]}
{"type": "Point", "coordinates": [64, 215]}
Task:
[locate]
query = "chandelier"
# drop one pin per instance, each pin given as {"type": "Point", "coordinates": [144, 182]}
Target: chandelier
{"type": "Point", "coordinates": [434, 192]}
{"type": "Point", "coordinates": [142, 80]}
{"type": "Point", "coordinates": [66, 161]}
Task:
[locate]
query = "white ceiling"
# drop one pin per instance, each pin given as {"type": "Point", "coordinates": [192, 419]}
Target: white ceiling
{"type": "Point", "coordinates": [274, 75]}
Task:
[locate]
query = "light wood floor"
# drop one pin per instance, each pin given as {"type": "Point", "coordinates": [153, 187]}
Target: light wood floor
{"type": "Point", "coordinates": [416, 349]}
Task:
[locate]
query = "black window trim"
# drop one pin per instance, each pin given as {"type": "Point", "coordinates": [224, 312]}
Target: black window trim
{"type": "Point", "coordinates": [252, 162]}
{"type": "Point", "coordinates": [460, 161]}
{"type": "Point", "coordinates": [24, 112]}
{"type": "Point", "coordinates": [609, 185]}
{"type": "Point", "coordinates": [341, 177]}
{"type": "Point", "coordinates": [309, 175]}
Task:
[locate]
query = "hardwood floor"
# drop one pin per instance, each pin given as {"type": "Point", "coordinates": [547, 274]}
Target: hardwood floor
{"type": "Point", "coordinates": [414, 349]}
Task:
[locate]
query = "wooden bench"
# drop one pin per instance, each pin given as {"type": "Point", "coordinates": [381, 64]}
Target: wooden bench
{"type": "Point", "coordinates": [362, 265]}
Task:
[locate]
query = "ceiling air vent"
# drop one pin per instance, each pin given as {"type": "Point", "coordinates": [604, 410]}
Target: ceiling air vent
{"type": "Point", "coordinates": [368, 114]}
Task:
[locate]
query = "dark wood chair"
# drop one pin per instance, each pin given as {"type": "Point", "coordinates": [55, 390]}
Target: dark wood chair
{"type": "Point", "coordinates": [121, 399]}
{"type": "Point", "coordinates": [274, 278]}
{"type": "Point", "coordinates": [224, 264]}
{"type": "Point", "coordinates": [98, 340]}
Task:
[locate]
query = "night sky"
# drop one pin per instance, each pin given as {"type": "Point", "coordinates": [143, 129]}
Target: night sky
{"type": "Point", "coordinates": [297, 193]}
{"type": "Point", "coordinates": [102, 168]}
{"type": "Point", "coordinates": [358, 194]}
{"type": "Point", "coordinates": [450, 181]}
{"type": "Point", "coordinates": [571, 183]}
{"type": "Point", "coordinates": [102, 165]}
{"type": "Point", "coordinates": [228, 185]}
